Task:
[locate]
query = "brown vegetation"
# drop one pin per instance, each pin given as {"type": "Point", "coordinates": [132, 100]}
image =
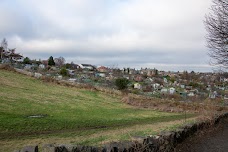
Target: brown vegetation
{"type": "Point", "coordinates": [7, 67]}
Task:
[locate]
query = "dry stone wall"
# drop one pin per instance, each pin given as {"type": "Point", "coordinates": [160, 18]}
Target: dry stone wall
{"type": "Point", "coordinates": [164, 142]}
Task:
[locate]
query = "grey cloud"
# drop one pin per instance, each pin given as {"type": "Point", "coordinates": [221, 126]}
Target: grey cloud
{"type": "Point", "coordinates": [108, 32]}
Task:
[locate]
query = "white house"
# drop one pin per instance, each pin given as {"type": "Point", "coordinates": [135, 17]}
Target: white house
{"type": "Point", "coordinates": [172, 90]}
{"type": "Point", "coordinates": [71, 72]}
{"type": "Point", "coordinates": [42, 66]}
{"type": "Point", "coordinates": [86, 66]}
{"type": "Point", "coordinates": [137, 86]}
{"type": "Point", "coordinates": [155, 86]}
{"type": "Point", "coordinates": [182, 86]}
{"type": "Point", "coordinates": [191, 94]}
{"type": "Point", "coordinates": [164, 90]}
{"type": "Point", "coordinates": [213, 95]}
{"type": "Point", "coordinates": [101, 75]}
{"type": "Point", "coordinates": [72, 80]}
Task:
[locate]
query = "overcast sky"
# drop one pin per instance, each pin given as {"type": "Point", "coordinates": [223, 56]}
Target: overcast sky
{"type": "Point", "coordinates": [162, 34]}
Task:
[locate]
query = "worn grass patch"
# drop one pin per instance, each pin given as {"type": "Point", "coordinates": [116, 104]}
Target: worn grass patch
{"type": "Point", "coordinates": [66, 110]}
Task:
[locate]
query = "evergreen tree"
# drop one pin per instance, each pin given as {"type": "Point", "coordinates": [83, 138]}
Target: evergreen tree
{"type": "Point", "coordinates": [51, 61]}
{"type": "Point", "coordinates": [27, 61]}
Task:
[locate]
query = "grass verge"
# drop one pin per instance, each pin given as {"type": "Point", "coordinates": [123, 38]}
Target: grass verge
{"type": "Point", "coordinates": [66, 112]}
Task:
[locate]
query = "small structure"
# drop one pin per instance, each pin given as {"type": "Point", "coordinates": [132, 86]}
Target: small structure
{"type": "Point", "coordinates": [172, 90]}
{"type": "Point", "coordinates": [137, 86]}
{"type": "Point", "coordinates": [102, 69]}
{"type": "Point", "coordinates": [42, 66]}
{"type": "Point", "coordinates": [191, 94]}
{"type": "Point", "coordinates": [138, 78]}
{"type": "Point", "coordinates": [164, 90]}
{"type": "Point", "coordinates": [226, 97]}
{"type": "Point", "coordinates": [74, 66]}
{"type": "Point", "coordinates": [101, 75]}
{"type": "Point", "coordinates": [87, 66]}
{"type": "Point", "coordinates": [71, 72]}
{"type": "Point", "coordinates": [182, 86]}
{"type": "Point", "coordinates": [156, 86]}
{"type": "Point", "coordinates": [213, 95]}
{"type": "Point", "coordinates": [72, 80]}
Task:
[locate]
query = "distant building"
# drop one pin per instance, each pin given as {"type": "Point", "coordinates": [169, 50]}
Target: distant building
{"type": "Point", "coordinates": [164, 90]}
{"type": "Point", "coordinates": [138, 78]}
{"type": "Point", "coordinates": [172, 90]}
{"type": "Point", "coordinates": [45, 62]}
{"type": "Point", "coordinates": [102, 69]}
{"type": "Point", "coordinates": [137, 86]}
{"type": "Point", "coordinates": [191, 94]}
{"type": "Point", "coordinates": [213, 95]}
{"type": "Point", "coordinates": [42, 66]}
{"type": "Point", "coordinates": [87, 66]}
{"type": "Point", "coordinates": [10, 55]}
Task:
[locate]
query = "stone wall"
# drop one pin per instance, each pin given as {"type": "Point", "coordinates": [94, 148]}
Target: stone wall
{"type": "Point", "coordinates": [164, 142]}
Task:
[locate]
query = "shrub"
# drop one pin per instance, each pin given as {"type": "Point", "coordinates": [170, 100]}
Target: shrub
{"type": "Point", "coordinates": [27, 61]}
{"type": "Point", "coordinates": [121, 83]}
{"type": "Point", "coordinates": [7, 67]}
{"type": "Point", "coordinates": [63, 72]}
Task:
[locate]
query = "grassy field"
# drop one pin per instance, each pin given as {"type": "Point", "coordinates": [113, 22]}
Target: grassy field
{"type": "Point", "coordinates": [71, 115]}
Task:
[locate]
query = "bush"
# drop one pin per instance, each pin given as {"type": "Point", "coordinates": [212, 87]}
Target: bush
{"type": "Point", "coordinates": [64, 72]}
{"type": "Point", "coordinates": [27, 61]}
{"type": "Point", "coordinates": [121, 83]}
{"type": "Point", "coordinates": [7, 67]}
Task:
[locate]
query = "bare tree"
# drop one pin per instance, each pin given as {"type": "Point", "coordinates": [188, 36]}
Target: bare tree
{"type": "Point", "coordinates": [1, 51]}
{"type": "Point", "coordinates": [4, 45]}
{"type": "Point", "coordinates": [60, 61]}
{"type": "Point", "coordinates": [216, 24]}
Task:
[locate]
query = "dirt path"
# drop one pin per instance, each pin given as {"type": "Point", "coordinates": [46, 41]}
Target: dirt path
{"type": "Point", "coordinates": [213, 141]}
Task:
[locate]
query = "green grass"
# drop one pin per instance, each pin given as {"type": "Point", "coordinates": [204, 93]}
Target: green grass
{"type": "Point", "coordinates": [66, 110]}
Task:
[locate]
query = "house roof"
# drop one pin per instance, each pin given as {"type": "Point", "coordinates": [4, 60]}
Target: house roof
{"type": "Point", "coordinates": [87, 65]}
{"type": "Point", "coordinates": [15, 55]}
{"type": "Point", "coordinates": [9, 53]}
{"type": "Point", "coordinates": [102, 68]}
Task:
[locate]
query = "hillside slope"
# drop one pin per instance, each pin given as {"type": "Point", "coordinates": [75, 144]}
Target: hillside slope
{"type": "Point", "coordinates": [31, 107]}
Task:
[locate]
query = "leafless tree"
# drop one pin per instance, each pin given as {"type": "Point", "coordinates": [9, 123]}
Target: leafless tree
{"type": "Point", "coordinates": [216, 24]}
{"type": "Point", "coordinates": [60, 61]}
{"type": "Point", "coordinates": [1, 51]}
{"type": "Point", "coordinates": [4, 45]}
